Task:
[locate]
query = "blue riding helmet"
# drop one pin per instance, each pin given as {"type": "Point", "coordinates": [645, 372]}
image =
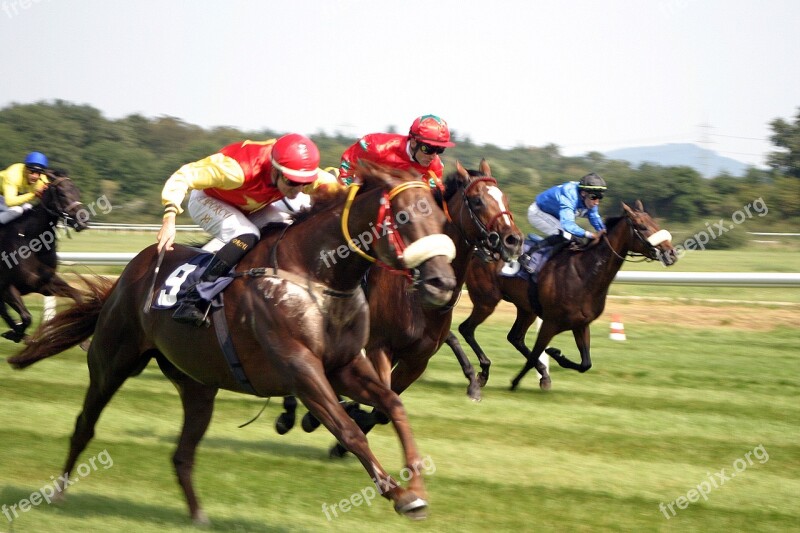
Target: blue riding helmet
{"type": "Point", "coordinates": [36, 160]}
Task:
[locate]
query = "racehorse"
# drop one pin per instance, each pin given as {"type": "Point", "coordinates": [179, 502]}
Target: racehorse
{"type": "Point", "coordinates": [297, 320]}
{"type": "Point", "coordinates": [403, 334]}
{"type": "Point", "coordinates": [570, 293]}
{"type": "Point", "coordinates": [28, 251]}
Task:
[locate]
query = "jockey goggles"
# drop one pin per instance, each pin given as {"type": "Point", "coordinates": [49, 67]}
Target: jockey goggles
{"type": "Point", "coordinates": [428, 149]}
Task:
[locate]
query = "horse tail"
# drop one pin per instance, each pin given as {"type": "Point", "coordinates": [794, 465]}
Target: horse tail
{"type": "Point", "coordinates": [67, 328]}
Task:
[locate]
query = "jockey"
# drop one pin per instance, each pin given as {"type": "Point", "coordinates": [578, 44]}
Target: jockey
{"type": "Point", "coordinates": [234, 193]}
{"type": "Point", "coordinates": [21, 184]}
{"type": "Point", "coordinates": [419, 150]}
{"type": "Point", "coordinates": [554, 211]}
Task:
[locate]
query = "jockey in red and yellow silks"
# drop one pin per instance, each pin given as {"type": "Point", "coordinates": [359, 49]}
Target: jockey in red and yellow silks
{"type": "Point", "coordinates": [234, 193]}
{"type": "Point", "coordinates": [418, 151]}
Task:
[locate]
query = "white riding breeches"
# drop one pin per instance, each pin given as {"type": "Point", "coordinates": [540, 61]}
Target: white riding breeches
{"type": "Point", "coordinates": [225, 222]}
{"type": "Point", "coordinates": [545, 222]}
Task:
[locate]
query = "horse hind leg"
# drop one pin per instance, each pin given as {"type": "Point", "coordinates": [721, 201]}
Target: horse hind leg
{"type": "Point", "coordinates": [110, 364]}
{"type": "Point", "coordinates": [546, 334]}
{"type": "Point", "coordinates": [474, 387]}
{"type": "Point", "coordinates": [198, 406]}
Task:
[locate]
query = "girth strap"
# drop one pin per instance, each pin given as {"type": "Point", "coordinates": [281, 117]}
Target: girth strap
{"type": "Point", "coordinates": [226, 343]}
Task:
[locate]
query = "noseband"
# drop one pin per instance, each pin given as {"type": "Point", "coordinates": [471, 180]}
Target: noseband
{"type": "Point", "coordinates": [409, 256]}
{"type": "Point", "coordinates": [650, 244]}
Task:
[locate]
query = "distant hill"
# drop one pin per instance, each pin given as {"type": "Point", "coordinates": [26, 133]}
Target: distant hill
{"type": "Point", "coordinates": [706, 162]}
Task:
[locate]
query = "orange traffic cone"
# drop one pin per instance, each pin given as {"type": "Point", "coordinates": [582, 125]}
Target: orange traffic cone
{"type": "Point", "coordinates": [617, 329]}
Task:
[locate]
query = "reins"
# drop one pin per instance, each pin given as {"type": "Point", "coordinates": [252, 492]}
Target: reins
{"type": "Point", "coordinates": [384, 220]}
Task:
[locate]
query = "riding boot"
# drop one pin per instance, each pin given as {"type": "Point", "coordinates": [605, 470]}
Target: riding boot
{"type": "Point", "coordinates": [557, 241]}
{"type": "Point", "coordinates": [193, 308]}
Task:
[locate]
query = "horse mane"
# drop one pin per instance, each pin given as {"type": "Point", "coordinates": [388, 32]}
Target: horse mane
{"type": "Point", "coordinates": [613, 221]}
{"type": "Point", "coordinates": [451, 185]}
{"type": "Point", "coordinates": [370, 174]}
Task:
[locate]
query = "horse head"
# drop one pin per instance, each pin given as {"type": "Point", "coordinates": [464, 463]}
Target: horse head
{"type": "Point", "coordinates": [408, 231]}
{"type": "Point", "coordinates": [481, 212]}
{"type": "Point", "coordinates": [62, 199]}
{"type": "Point", "coordinates": [649, 240]}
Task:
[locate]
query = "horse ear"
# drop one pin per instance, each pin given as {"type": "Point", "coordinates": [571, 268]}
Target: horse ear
{"type": "Point", "coordinates": [484, 168]}
{"type": "Point", "coordinates": [626, 208]}
{"type": "Point", "coordinates": [461, 170]}
{"type": "Point", "coordinates": [639, 206]}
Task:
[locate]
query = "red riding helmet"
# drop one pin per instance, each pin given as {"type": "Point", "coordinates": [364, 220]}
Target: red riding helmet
{"type": "Point", "coordinates": [297, 157]}
{"type": "Point", "coordinates": [432, 130]}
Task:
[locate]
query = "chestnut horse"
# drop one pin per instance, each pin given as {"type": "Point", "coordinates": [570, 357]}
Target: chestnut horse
{"type": "Point", "coordinates": [403, 334]}
{"type": "Point", "coordinates": [28, 256]}
{"type": "Point", "coordinates": [298, 321]}
{"type": "Point", "coordinates": [570, 293]}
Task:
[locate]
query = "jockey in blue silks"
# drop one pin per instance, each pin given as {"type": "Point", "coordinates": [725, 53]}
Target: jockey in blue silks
{"type": "Point", "coordinates": [554, 211]}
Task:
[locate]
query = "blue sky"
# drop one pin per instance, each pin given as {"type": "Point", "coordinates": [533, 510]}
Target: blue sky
{"type": "Point", "coordinates": [586, 75]}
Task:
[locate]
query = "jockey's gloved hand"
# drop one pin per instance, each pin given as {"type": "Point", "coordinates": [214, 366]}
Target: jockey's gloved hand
{"type": "Point", "coordinates": [26, 206]}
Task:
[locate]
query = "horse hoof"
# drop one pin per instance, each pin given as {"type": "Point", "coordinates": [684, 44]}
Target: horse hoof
{"type": "Point", "coordinates": [85, 344]}
{"type": "Point", "coordinates": [284, 423]}
{"type": "Point", "coordinates": [200, 519]}
{"type": "Point", "coordinates": [483, 380]}
{"type": "Point", "coordinates": [474, 393]}
{"type": "Point", "coordinates": [545, 384]}
{"type": "Point", "coordinates": [513, 386]}
{"type": "Point", "coordinates": [337, 451]}
{"type": "Point", "coordinates": [13, 335]}
{"type": "Point", "coordinates": [309, 423]}
{"type": "Point", "coordinates": [416, 509]}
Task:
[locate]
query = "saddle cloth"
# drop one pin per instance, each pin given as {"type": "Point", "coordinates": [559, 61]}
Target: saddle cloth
{"type": "Point", "coordinates": [529, 271]}
{"type": "Point", "coordinates": [186, 275]}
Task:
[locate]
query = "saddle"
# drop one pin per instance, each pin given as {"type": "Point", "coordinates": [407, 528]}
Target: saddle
{"type": "Point", "coordinates": [529, 264]}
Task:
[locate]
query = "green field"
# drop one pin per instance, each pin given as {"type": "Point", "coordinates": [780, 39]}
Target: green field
{"type": "Point", "coordinates": [657, 417]}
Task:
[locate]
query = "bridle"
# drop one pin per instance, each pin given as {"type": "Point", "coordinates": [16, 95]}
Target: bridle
{"type": "Point", "coordinates": [410, 256]}
{"type": "Point", "coordinates": [487, 245]}
{"type": "Point", "coordinates": [58, 211]}
{"type": "Point", "coordinates": [650, 244]}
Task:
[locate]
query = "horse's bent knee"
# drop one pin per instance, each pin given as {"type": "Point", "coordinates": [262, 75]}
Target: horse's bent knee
{"type": "Point", "coordinates": [584, 367]}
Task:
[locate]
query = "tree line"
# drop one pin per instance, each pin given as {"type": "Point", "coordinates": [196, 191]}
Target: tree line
{"type": "Point", "coordinates": [128, 160]}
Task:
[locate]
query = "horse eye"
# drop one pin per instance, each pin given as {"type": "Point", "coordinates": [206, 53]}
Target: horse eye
{"type": "Point", "coordinates": [476, 201]}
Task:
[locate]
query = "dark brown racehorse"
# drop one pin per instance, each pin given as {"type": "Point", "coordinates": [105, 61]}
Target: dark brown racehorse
{"type": "Point", "coordinates": [298, 326]}
{"type": "Point", "coordinates": [28, 251]}
{"type": "Point", "coordinates": [404, 334]}
{"type": "Point", "coordinates": [570, 294]}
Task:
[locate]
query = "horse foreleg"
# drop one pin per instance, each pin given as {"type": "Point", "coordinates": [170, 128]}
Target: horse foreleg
{"type": "Point", "coordinates": [546, 334]}
{"type": "Point", "coordinates": [13, 298]}
{"type": "Point", "coordinates": [287, 418]}
{"type": "Point", "coordinates": [467, 330]}
{"type": "Point", "coordinates": [360, 381]}
{"type": "Point", "coordinates": [198, 406]}
{"type": "Point", "coordinates": [581, 335]}
{"type": "Point", "coordinates": [582, 340]}
{"type": "Point", "coordinates": [474, 387]}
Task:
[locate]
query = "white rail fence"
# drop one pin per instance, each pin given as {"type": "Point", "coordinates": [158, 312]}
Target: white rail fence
{"type": "Point", "coordinates": [729, 279]}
